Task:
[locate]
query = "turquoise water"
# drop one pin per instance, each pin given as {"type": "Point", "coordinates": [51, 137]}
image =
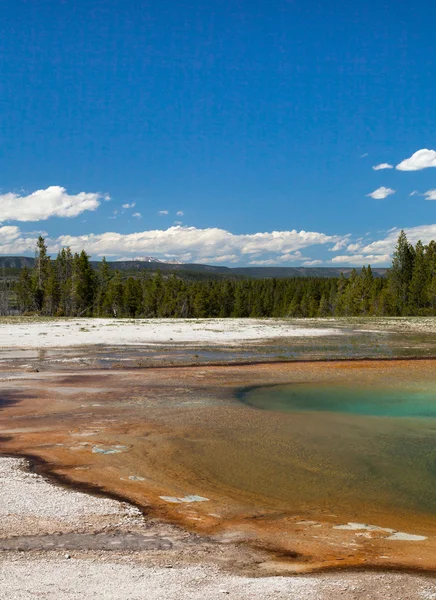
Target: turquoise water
{"type": "Point", "coordinates": [382, 402]}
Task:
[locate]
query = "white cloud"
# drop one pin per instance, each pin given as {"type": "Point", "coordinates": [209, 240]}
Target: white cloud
{"type": "Point", "coordinates": [222, 258]}
{"type": "Point", "coordinates": [340, 244]}
{"type": "Point", "coordinates": [430, 195]}
{"type": "Point", "coordinates": [361, 259]}
{"type": "Point", "coordinates": [180, 213]}
{"type": "Point", "coordinates": [137, 215]}
{"type": "Point", "coordinates": [131, 205]}
{"type": "Point", "coordinates": [288, 257]}
{"type": "Point", "coordinates": [422, 159]}
{"type": "Point", "coordinates": [381, 193]}
{"type": "Point", "coordinates": [425, 233]}
{"type": "Point", "coordinates": [186, 243]}
{"type": "Point", "coordinates": [162, 213]}
{"type": "Point", "coordinates": [43, 204]}
{"type": "Point", "coordinates": [263, 263]}
{"type": "Point", "coordinates": [312, 263]}
{"type": "Point", "coordinates": [414, 193]}
{"type": "Point", "coordinates": [13, 241]}
{"type": "Point", "coordinates": [382, 166]}
{"type": "Point", "coordinates": [354, 247]}
{"type": "Point", "coordinates": [177, 223]}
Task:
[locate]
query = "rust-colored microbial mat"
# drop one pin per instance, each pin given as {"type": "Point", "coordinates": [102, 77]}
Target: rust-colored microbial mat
{"type": "Point", "coordinates": [325, 464]}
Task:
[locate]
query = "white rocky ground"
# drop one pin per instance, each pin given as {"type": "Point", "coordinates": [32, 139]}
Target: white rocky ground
{"type": "Point", "coordinates": [76, 332]}
{"type": "Point", "coordinates": [28, 504]}
{"type": "Point", "coordinates": [81, 579]}
{"type": "Point", "coordinates": [26, 333]}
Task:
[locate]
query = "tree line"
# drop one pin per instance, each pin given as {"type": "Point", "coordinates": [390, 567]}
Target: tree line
{"type": "Point", "coordinates": [69, 286]}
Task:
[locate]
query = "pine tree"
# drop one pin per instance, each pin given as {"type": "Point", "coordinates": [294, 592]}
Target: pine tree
{"type": "Point", "coordinates": [417, 289]}
{"type": "Point", "coordinates": [41, 274]}
{"type": "Point", "coordinates": [24, 291]}
{"type": "Point", "coordinates": [400, 273]}
{"type": "Point", "coordinates": [82, 285]}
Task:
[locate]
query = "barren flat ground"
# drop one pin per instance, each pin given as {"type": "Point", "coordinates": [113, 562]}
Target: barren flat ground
{"type": "Point", "coordinates": [212, 491]}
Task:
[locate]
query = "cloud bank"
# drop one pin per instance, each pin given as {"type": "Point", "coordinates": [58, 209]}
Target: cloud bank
{"type": "Point", "coordinates": [43, 204]}
{"type": "Point", "coordinates": [218, 246]}
{"type": "Point", "coordinates": [184, 243]}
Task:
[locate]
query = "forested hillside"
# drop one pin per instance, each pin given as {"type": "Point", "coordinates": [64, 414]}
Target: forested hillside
{"type": "Point", "coordinates": [12, 265]}
{"type": "Point", "coordinates": [69, 286]}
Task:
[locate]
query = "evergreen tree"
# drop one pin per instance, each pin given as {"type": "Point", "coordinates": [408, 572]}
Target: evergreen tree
{"type": "Point", "coordinates": [24, 292]}
{"type": "Point", "coordinates": [418, 283]}
{"type": "Point", "coordinates": [400, 274]}
{"type": "Point", "coordinates": [82, 285]}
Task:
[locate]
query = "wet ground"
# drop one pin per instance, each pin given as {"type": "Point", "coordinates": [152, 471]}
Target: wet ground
{"type": "Point", "coordinates": [356, 339]}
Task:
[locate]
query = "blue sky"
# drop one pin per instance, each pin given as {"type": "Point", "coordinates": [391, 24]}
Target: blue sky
{"type": "Point", "coordinates": [258, 122]}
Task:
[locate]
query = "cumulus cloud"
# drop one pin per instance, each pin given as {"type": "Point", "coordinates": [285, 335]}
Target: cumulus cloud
{"type": "Point", "coordinates": [131, 205]}
{"type": "Point", "coordinates": [180, 213]}
{"type": "Point", "coordinates": [186, 243]}
{"type": "Point", "coordinates": [13, 241]}
{"type": "Point", "coordinates": [421, 159]}
{"type": "Point", "coordinates": [425, 233]}
{"type": "Point", "coordinates": [362, 259]}
{"type": "Point", "coordinates": [218, 246]}
{"type": "Point", "coordinates": [222, 258]}
{"type": "Point", "coordinates": [382, 166]}
{"type": "Point", "coordinates": [381, 193]}
{"type": "Point", "coordinates": [288, 257]}
{"type": "Point", "coordinates": [263, 263]}
{"type": "Point", "coordinates": [430, 195]}
{"type": "Point", "coordinates": [43, 204]}
{"type": "Point", "coordinates": [312, 263]}
{"type": "Point", "coordinates": [137, 215]}
{"type": "Point", "coordinates": [340, 244]}
{"type": "Point", "coordinates": [162, 213]}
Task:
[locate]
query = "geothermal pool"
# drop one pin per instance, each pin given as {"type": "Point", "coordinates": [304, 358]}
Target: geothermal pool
{"type": "Point", "coordinates": [417, 401]}
{"type": "Point", "coordinates": [323, 464]}
{"type": "Point", "coordinates": [379, 438]}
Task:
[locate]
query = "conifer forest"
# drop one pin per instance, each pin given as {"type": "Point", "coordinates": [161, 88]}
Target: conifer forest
{"type": "Point", "coordinates": [69, 286]}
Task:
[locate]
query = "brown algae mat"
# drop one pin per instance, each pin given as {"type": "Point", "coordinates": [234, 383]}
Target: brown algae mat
{"type": "Point", "coordinates": [319, 489]}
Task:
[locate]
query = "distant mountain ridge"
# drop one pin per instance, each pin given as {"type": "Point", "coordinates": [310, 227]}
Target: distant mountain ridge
{"type": "Point", "coordinates": [152, 264]}
{"type": "Point", "coordinates": [151, 259]}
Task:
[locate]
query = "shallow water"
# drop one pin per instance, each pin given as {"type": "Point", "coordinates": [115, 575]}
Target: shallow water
{"type": "Point", "coordinates": [382, 438]}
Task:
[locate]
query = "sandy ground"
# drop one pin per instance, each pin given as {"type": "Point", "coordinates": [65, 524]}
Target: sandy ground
{"type": "Point", "coordinates": [28, 503]}
{"type": "Point", "coordinates": [75, 332]}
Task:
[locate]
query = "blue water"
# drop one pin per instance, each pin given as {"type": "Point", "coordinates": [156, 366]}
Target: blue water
{"type": "Point", "coordinates": [381, 402]}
